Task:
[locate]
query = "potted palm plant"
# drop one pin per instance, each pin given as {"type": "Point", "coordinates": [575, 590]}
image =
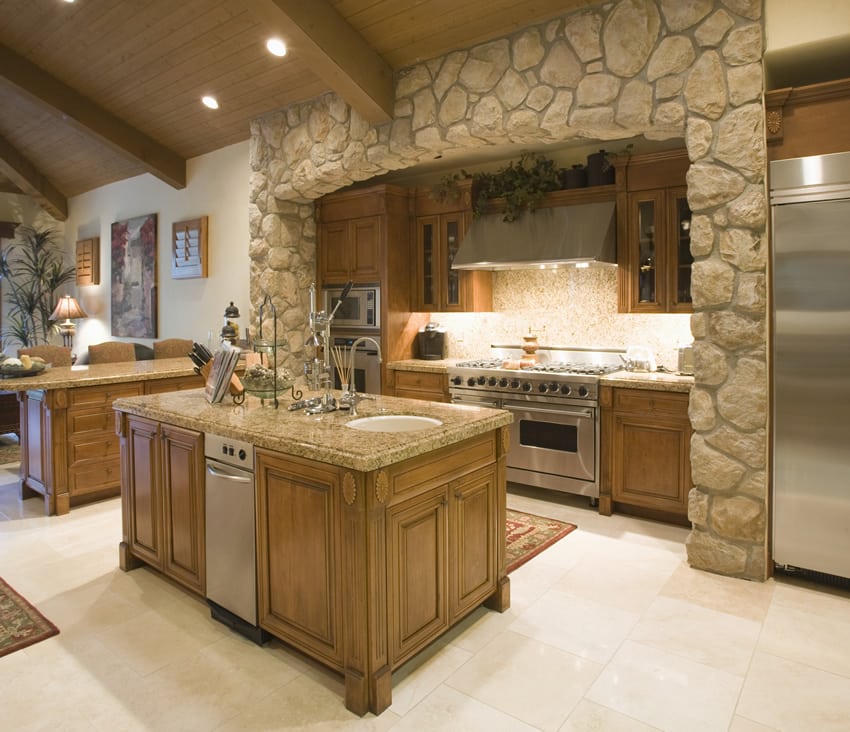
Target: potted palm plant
{"type": "Point", "coordinates": [32, 268]}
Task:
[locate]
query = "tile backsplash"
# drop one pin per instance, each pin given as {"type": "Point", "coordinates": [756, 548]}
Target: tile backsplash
{"type": "Point", "coordinates": [562, 307]}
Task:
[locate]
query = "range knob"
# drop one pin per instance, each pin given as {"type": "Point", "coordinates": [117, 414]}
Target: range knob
{"type": "Point", "coordinates": [514, 383]}
{"type": "Point", "coordinates": [456, 380]}
{"type": "Point", "coordinates": [503, 382]}
{"type": "Point", "coordinates": [482, 380]}
{"type": "Point", "coordinates": [526, 386]}
{"type": "Point", "coordinates": [470, 381]}
{"type": "Point", "coordinates": [492, 381]}
{"type": "Point", "coordinates": [542, 388]}
{"type": "Point", "coordinates": [582, 391]}
{"type": "Point", "coordinates": [553, 387]}
{"type": "Point", "coordinates": [565, 389]}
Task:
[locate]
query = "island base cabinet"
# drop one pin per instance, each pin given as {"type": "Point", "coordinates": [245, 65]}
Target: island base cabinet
{"type": "Point", "coordinates": [362, 570]}
{"type": "Point", "coordinates": [163, 500]}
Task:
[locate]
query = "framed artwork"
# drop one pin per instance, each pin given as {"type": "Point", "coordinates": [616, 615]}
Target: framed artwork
{"type": "Point", "coordinates": [88, 261]}
{"type": "Point", "coordinates": [189, 249]}
{"type": "Point", "coordinates": [134, 277]}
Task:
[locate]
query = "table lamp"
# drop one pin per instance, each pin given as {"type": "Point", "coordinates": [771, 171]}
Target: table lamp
{"type": "Point", "coordinates": [68, 308]}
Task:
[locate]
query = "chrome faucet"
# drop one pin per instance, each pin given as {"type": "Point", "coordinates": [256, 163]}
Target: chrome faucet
{"type": "Point", "coordinates": [353, 396]}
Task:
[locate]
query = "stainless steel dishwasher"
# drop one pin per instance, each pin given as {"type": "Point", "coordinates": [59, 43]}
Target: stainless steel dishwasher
{"type": "Point", "coordinates": [231, 535]}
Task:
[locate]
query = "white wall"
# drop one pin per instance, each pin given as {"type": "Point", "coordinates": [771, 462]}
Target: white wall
{"type": "Point", "coordinates": [795, 22]}
{"type": "Point", "coordinates": [217, 187]}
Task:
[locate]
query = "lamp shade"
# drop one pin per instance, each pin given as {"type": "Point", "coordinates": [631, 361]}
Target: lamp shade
{"type": "Point", "coordinates": [68, 308]}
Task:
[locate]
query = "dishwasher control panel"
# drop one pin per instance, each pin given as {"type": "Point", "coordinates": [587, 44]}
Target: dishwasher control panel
{"type": "Point", "coordinates": [229, 451]}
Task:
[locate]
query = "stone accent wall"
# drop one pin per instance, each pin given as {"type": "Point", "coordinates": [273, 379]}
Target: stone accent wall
{"type": "Point", "coordinates": [663, 69]}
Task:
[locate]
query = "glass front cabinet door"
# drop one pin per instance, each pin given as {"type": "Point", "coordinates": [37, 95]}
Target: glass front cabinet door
{"type": "Point", "coordinates": [438, 240]}
{"type": "Point", "coordinates": [658, 255]}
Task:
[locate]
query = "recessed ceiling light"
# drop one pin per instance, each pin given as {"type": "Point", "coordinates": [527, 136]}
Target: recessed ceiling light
{"type": "Point", "coordinates": [276, 46]}
{"type": "Point", "coordinates": [210, 102]}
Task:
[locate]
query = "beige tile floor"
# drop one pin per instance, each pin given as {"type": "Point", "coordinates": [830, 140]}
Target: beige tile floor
{"type": "Point", "coordinates": [608, 630]}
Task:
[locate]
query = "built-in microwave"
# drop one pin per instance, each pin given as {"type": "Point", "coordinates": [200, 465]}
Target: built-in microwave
{"type": "Point", "coordinates": [361, 309]}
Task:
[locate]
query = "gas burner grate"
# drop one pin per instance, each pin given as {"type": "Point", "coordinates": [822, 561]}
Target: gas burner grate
{"type": "Point", "coordinates": [563, 367]}
{"type": "Point", "coordinates": [481, 363]}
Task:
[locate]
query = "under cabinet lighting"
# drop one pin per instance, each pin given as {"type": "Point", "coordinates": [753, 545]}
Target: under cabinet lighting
{"type": "Point", "coordinates": [210, 102]}
{"type": "Point", "coordinates": [276, 47]}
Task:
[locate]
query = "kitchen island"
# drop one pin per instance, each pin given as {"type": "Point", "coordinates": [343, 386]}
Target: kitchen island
{"type": "Point", "coordinates": [370, 545]}
{"type": "Point", "coordinates": [69, 450]}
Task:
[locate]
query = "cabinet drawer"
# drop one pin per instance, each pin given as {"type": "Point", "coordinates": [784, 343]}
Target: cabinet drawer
{"type": "Point", "coordinates": [94, 447]}
{"type": "Point", "coordinates": [94, 476]}
{"type": "Point", "coordinates": [102, 395]}
{"type": "Point", "coordinates": [419, 380]}
{"type": "Point", "coordinates": [177, 383]}
{"type": "Point", "coordinates": [643, 400]}
{"type": "Point", "coordinates": [428, 396]}
{"type": "Point", "coordinates": [90, 420]}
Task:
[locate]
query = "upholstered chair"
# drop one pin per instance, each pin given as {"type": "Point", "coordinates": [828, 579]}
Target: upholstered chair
{"type": "Point", "coordinates": [111, 352]}
{"type": "Point", "coordinates": [55, 355]}
{"type": "Point", "coordinates": [172, 347]}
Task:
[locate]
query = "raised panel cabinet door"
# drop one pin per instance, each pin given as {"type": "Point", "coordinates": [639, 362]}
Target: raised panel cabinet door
{"type": "Point", "coordinates": [182, 480]}
{"type": "Point", "coordinates": [472, 529]}
{"type": "Point", "coordinates": [144, 500]}
{"type": "Point", "coordinates": [651, 462]}
{"type": "Point", "coordinates": [299, 554]}
{"type": "Point", "coordinates": [366, 249]}
{"type": "Point", "coordinates": [334, 255]}
{"type": "Point", "coordinates": [34, 426]}
{"type": "Point", "coordinates": [417, 569]}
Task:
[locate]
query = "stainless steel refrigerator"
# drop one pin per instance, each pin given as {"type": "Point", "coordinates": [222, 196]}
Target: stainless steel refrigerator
{"type": "Point", "coordinates": [810, 205]}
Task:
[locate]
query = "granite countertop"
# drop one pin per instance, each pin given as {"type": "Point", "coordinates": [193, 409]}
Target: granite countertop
{"type": "Point", "coordinates": [655, 381]}
{"type": "Point", "coordinates": [320, 437]}
{"type": "Point", "coordinates": [420, 364]}
{"type": "Point", "coordinates": [64, 377]}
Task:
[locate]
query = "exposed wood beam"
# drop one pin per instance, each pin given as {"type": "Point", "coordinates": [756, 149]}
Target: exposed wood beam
{"type": "Point", "coordinates": [336, 53]}
{"type": "Point", "coordinates": [31, 181]}
{"type": "Point", "coordinates": [91, 119]}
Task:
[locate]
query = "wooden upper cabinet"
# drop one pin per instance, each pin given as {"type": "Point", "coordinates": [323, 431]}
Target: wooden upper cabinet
{"type": "Point", "coordinates": [655, 252]}
{"type": "Point", "coordinates": [361, 234]}
{"type": "Point", "coordinates": [351, 250]}
{"type": "Point", "coordinates": [440, 228]}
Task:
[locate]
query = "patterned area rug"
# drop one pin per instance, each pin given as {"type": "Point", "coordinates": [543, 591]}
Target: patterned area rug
{"type": "Point", "coordinates": [21, 624]}
{"type": "Point", "coordinates": [10, 450]}
{"type": "Point", "coordinates": [528, 535]}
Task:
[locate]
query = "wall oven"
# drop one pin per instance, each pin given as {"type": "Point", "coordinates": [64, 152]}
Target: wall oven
{"type": "Point", "coordinates": [360, 310]}
{"type": "Point", "coordinates": [367, 367]}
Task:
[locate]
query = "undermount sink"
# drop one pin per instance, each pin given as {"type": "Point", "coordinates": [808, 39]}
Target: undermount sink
{"type": "Point", "coordinates": [393, 423]}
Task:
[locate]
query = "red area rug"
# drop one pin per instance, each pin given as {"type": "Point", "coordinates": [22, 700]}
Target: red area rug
{"type": "Point", "coordinates": [528, 535]}
{"type": "Point", "coordinates": [21, 624]}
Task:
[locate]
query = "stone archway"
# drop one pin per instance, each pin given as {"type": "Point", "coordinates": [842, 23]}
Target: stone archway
{"type": "Point", "coordinates": [658, 68]}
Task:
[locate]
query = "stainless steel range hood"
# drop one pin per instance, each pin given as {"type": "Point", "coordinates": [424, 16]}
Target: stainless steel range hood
{"type": "Point", "coordinates": [580, 235]}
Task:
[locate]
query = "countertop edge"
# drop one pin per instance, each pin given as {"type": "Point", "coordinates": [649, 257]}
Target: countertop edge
{"type": "Point", "coordinates": [319, 437]}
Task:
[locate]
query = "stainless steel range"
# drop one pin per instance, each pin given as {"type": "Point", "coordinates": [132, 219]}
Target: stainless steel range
{"type": "Point", "coordinates": [554, 399]}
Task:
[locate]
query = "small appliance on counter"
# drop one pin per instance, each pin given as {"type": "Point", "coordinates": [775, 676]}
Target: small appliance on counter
{"type": "Point", "coordinates": [432, 342]}
{"type": "Point", "coordinates": [686, 360]}
{"type": "Point", "coordinates": [639, 358]}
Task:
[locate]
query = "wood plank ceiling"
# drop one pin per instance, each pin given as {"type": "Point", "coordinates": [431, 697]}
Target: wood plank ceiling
{"type": "Point", "coordinates": [97, 91]}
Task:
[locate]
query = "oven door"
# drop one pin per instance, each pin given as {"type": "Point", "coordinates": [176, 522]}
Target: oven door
{"type": "Point", "coordinates": [553, 446]}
